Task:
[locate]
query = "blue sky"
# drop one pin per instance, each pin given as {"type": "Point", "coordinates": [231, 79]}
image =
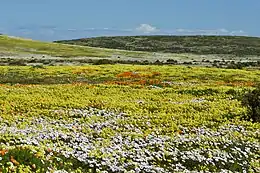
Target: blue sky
{"type": "Point", "coordinates": [67, 19]}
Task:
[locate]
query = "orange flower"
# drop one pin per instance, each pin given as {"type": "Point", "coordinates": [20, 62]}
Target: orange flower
{"type": "Point", "coordinates": [14, 161]}
{"type": "Point", "coordinates": [180, 132]}
{"type": "Point", "coordinates": [3, 152]}
{"type": "Point", "coordinates": [128, 74]}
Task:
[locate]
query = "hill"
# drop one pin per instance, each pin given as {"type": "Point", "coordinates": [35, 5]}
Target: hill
{"type": "Point", "coordinates": [18, 46]}
{"type": "Point", "coordinates": [203, 45]}
{"type": "Point", "coordinates": [19, 51]}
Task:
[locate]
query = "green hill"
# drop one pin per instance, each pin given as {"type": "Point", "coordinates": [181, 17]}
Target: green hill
{"type": "Point", "coordinates": [18, 46]}
{"type": "Point", "coordinates": [203, 45]}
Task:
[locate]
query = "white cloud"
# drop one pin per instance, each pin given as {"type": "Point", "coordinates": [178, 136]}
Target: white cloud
{"type": "Point", "coordinates": [221, 31]}
{"type": "Point", "coordinates": [55, 33]}
{"type": "Point", "coordinates": [238, 32]}
{"type": "Point", "coordinates": [146, 29]}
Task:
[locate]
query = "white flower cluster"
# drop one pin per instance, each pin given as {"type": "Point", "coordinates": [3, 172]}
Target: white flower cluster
{"type": "Point", "coordinates": [225, 149]}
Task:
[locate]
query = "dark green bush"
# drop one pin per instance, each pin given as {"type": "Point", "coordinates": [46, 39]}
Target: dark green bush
{"type": "Point", "coordinates": [171, 61]}
{"type": "Point", "coordinates": [18, 62]}
{"type": "Point", "coordinates": [199, 92]}
{"type": "Point", "coordinates": [237, 94]}
{"type": "Point", "coordinates": [252, 101]}
{"type": "Point", "coordinates": [103, 61]}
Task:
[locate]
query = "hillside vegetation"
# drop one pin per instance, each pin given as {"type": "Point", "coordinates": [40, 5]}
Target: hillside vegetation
{"type": "Point", "coordinates": [17, 46]}
{"type": "Point", "coordinates": [236, 45]}
{"type": "Point", "coordinates": [126, 118]}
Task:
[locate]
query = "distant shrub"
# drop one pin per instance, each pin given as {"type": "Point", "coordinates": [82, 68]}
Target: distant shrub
{"type": "Point", "coordinates": [187, 63]}
{"type": "Point", "coordinates": [47, 61]}
{"type": "Point", "coordinates": [237, 94]}
{"type": "Point", "coordinates": [252, 101]}
{"type": "Point", "coordinates": [38, 66]}
{"type": "Point", "coordinates": [158, 62]}
{"type": "Point", "coordinates": [103, 61]}
{"type": "Point", "coordinates": [145, 62]}
{"type": "Point", "coordinates": [199, 92]}
{"type": "Point", "coordinates": [171, 61]}
{"type": "Point", "coordinates": [235, 66]}
{"type": "Point", "coordinates": [18, 62]}
{"type": "Point", "coordinates": [32, 60]}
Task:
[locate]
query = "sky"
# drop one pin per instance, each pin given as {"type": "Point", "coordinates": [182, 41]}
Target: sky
{"type": "Point", "coordinates": [50, 20]}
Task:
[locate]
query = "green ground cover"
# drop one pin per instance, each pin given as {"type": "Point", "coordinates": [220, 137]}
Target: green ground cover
{"type": "Point", "coordinates": [126, 118]}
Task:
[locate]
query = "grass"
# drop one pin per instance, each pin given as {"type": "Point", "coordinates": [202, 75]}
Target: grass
{"type": "Point", "coordinates": [16, 46]}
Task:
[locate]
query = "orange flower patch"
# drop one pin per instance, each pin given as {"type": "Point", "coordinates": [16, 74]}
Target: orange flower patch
{"type": "Point", "coordinates": [3, 152]}
{"type": "Point", "coordinates": [14, 161]}
{"type": "Point", "coordinates": [128, 74]}
{"type": "Point", "coordinates": [180, 132]}
{"type": "Point", "coordinates": [156, 74]}
{"type": "Point", "coordinates": [83, 71]}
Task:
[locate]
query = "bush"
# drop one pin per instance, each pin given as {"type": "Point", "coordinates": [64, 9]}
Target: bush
{"type": "Point", "coordinates": [252, 101]}
{"type": "Point", "coordinates": [18, 62]}
{"type": "Point", "coordinates": [237, 94]}
{"type": "Point", "coordinates": [38, 66]}
{"type": "Point", "coordinates": [103, 61]}
{"type": "Point", "coordinates": [235, 66]}
{"type": "Point", "coordinates": [171, 61]}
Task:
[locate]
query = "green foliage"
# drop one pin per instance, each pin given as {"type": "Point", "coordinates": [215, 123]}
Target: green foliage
{"type": "Point", "coordinates": [174, 102]}
{"type": "Point", "coordinates": [197, 92]}
{"type": "Point", "coordinates": [27, 159]}
{"type": "Point", "coordinates": [252, 101]}
{"type": "Point", "coordinates": [235, 45]}
{"type": "Point", "coordinates": [103, 61]}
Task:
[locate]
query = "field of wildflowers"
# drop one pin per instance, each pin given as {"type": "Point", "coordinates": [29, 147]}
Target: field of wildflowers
{"type": "Point", "coordinates": [126, 118]}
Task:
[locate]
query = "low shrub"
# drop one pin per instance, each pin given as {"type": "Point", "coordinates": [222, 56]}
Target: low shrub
{"type": "Point", "coordinates": [252, 101]}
